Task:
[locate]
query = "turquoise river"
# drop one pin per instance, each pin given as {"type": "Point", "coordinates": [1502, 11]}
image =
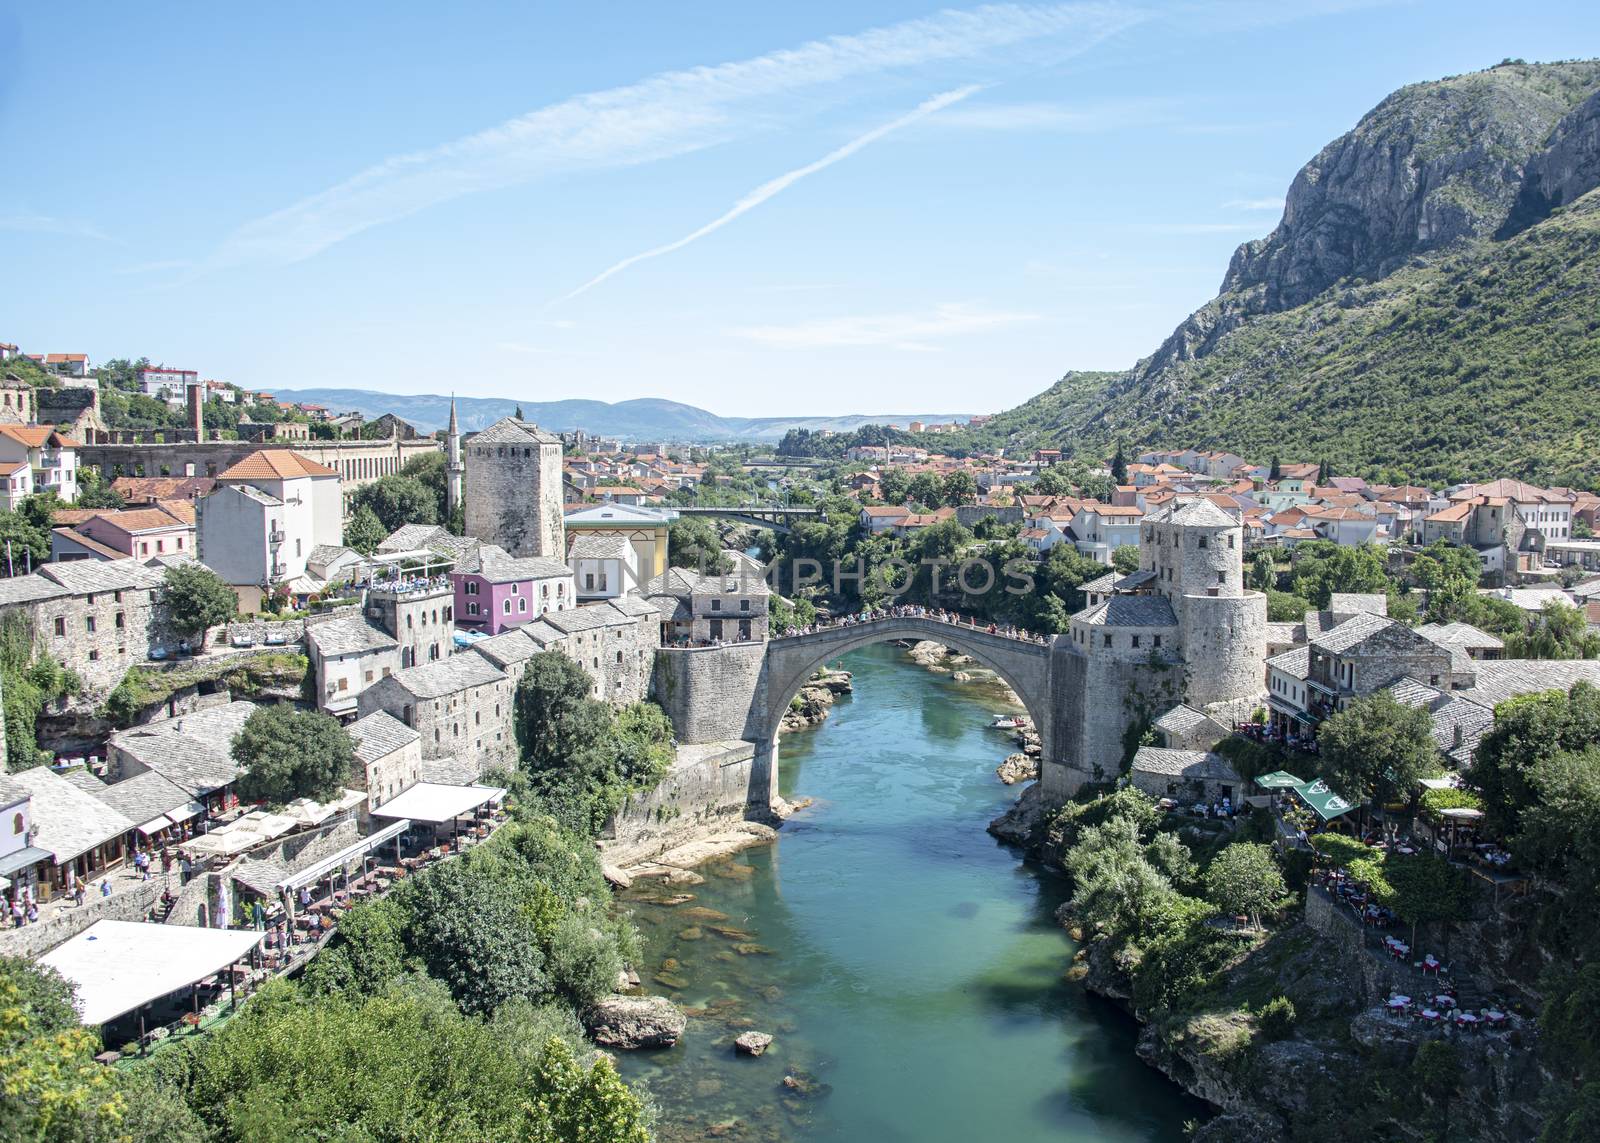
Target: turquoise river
{"type": "Point", "coordinates": [907, 964]}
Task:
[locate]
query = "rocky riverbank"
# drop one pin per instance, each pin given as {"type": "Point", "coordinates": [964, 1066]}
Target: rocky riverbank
{"type": "Point", "coordinates": [939, 659]}
{"type": "Point", "coordinates": [816, 698]}
{"type": "Point", "coordinates": [1333, 1063]}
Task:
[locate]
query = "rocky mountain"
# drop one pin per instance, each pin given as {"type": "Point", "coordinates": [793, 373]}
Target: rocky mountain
{"type": "Point", "coordinates": [1427, 306]}
{"type": "Point", "coordinates": [644, 419]}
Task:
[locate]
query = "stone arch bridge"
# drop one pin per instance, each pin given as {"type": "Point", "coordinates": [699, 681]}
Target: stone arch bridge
{"type": "Point", "coordinates": [1024, 664]}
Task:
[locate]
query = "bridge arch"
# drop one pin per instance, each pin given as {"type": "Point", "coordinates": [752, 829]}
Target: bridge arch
{"type": "Point", "coordinates": [791, 660]}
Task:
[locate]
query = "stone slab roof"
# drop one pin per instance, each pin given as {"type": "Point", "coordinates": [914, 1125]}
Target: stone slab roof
{"type": "Point", "coordinates": [411, 538]}
{"type": "Point", "coordinates": [448, 771]}
{"type": "Point", "coordinates": [1352, 603]}
{"type": "Point", "coordinates": [510, 648]}
{"type": "Point", "coordinates": [143, 797]}
{"type": "Point", "coordinates": [379, 735]}
{"type": "Point", "coordinates": [1286, 632]}
{"type": "Point", "coordinates": [1461, 635]}
{"type": "Point", "coordinates": [497, 565]}
{"type": "Point", "coordinates": [68, 820]}
{"type": "Point", "coordinates": [1184, 718]}
{"type": "Point", "coordinates": [29, 589]}
{"type": "Point", "coordinates": [1500, 679]}
{"type": "Point", "coordinates": [82, 577]}
{"type": "Point", "coordinates": [1351, 632]}
{"type": "Point", "coordinates": [1452, 716]}
{"type": "Point", "coordinates": [598, 546]}
{"type": "Point", "coordinates": [195, 751]}
{"type": "Point", "coordinates": [1193, 765]}
{"type": "Point", "coordinates": [1131, 611]}
{"type": "Point", "coordinates": [1295, 662]}
{"type": "Point", "coordinates": [509, 430]}
{"type": "Point", "coordinates": [445, 676]}
{"type": "Point", "coordinates": [348, 635]}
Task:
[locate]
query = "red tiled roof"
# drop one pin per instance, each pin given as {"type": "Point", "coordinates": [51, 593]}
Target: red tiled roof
{"type": "Point", "coordinates": [275, 464]}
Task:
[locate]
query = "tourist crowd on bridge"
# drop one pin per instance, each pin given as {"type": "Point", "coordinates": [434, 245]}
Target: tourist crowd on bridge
{"type": "Point", "coordinates": [914, 611]}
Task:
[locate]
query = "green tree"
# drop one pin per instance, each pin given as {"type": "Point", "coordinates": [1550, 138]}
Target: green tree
{"type": "Point", "coordinates": [1427, 890]}
{"type": "Point", "coordinates": [286, 754]}
{"type": "Point", "coordinates": [1275, 472]}
{"type": "Point", "coordinates": [1322, 568]}
{"type": "Point", "coordinates": [29, 681]}
{"type": "Point", "coordinates": [1527, 730]}
{"type": "Point", "coordinates": [1263, 571]}
{"type": "Point", "coordinates": [894, 484]}
{"type": "Point", "coordinates": [1560, 631]}
{"type": "Point", "coordinates": [693, 542]}
{"type": "Point", "coordinates": [1244, 878]}
{"type": "Point", "coordinates": [1125, 558]}
{"type": "Point", "coordinates": [960, 487]}
{"type": "Point", "coordinates": [365, 531]}
{"type": "Point", "coordinates": [926, 489]}
{"type": "Point", "coordinates": [194, 599]}
{"type": "Point", "coordinates": [94, 492]}
{"type": "Point", "coordinates": [1377, 746]}
{"type": "Point", "coordinates": [398, 500]}
{"type": "Point", "coordinates": [1119, 466]}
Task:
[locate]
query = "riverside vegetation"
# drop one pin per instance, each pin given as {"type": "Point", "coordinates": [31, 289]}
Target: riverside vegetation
{"type": "Point", "coordinates": [451, 1008]}
{"type": "Point", "coordinates": [1201, 932]}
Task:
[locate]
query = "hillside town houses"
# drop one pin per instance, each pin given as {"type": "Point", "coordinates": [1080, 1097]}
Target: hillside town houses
{"type": "Point", "coordinates": [417, 646]}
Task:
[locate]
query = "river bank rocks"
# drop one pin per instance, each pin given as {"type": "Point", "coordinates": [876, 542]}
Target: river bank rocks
{"type": "Point", "coordinates": [633, 1022]}
{"type": "Point", "coordinates": [961, 668]}
{"type": "Point", "coordinates": [1024, 821]}
{"type": "Point", "coordinates": [677, 866]}
{"type": "Point", "coordinates": [1018, 768]}
{"type": "Point", "coordinates": [816, 697]}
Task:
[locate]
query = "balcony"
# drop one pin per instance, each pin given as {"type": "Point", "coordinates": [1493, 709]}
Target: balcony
{"type": "Point", "coordinates": [277, 536]}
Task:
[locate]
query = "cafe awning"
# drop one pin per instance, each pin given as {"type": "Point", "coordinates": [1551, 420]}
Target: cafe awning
{"type": "Point", "coordinates": [1324, 800]}
{"type": "Point", "coordinates": [432, 803]}
{"type": "Point", "coordinates": [22, 858]}
{"type": "Point", "coordinates": [1279, 780]}
{"type": "Point", "coordinates": [118, 966]}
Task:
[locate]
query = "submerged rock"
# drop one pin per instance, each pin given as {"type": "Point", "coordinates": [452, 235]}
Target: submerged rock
{"type": "Point", "coordinates": [632, 1022]}
{"type": "Point", "coordinates": [752, 1043]}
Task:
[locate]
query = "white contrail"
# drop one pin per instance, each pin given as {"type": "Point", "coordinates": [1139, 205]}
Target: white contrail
{"type": "Point", "coordinates": [670, 114]}
{"type": "Point", "coordinates": [783, 182]}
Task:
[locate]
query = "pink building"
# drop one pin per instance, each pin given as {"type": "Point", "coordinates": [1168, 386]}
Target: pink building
{"type": "Point", "coordinates": [495, 590]}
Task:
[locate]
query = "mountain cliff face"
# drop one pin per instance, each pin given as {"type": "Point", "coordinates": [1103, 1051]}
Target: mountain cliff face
{"type": "Point", "coordinates": [1417, 230]}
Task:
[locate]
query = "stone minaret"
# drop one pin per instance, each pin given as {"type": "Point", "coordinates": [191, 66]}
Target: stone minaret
{"type": "Point", "coordinates": [453, 468]}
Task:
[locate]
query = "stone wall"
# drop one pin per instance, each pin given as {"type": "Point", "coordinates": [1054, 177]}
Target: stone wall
{"type": "Point", "coordinates": [1225, 648]}
{"type": "Point", "coordinates": [1093, 702]}
{"type": "Point", "coordinates": [968, 515]}
{"type": "Point", "coordinates": [620, 657]}
{"type": "Point", "coordinates": [129, 905]}
{"type": "Point", "coordinates": [473, 725]}
{"type": "Point", "coordinates": [710, 693]}
{"type": "Point", "coordinates": [705, 792]}
{"type": "Point", "coordinates": [514, 497]}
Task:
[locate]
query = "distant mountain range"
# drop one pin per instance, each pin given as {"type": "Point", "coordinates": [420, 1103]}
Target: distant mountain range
{"type": "Point", "coordinates": [645, 419]}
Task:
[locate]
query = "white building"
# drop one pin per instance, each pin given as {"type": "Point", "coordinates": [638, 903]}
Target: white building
{"type": "Point", "coordinates": [258, 527]}
{"type": "Point", "coordinates": [51, 456]}
{"type": "Point", "coordinates": [1103, 528]}
{"type": "Point", "coordinates": [169, 385]}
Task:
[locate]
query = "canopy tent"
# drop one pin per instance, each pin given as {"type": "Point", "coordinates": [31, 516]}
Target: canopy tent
{"type": "Point", "coordinates": [433, 804]}
{"type": "Point", "coordinates": [118, 966]}
{"type": "Point", "coordinates": [308, 813]}
{"type": "Point", "coordinates": [1319, 797]}
{"type": "Point", "coordinates": [255, 827]}
{"type": "Point", "coordinates": [1448, 782]}
{"type": "Point", "coordinates": [1464, 815]}
{"type": "Point", "coordinates": [1279, 780]}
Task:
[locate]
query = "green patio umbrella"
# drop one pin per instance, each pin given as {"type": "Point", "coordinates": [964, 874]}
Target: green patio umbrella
{"type": "Point", "coordinates": [1279, 780]}
{"type": "Point", "coordinates": [1319, 797]}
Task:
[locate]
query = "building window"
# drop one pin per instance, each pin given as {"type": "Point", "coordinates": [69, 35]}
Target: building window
{"type": "Point", "coordinates": [716, 605]}
{"type": "Point", "coordinates": [89, 623]}
{"type": "Point", "coordinates": [61, 626]}
{"type": "Point", "coordinates": [367, 676]}
{"type": "Point", "coordinates": [744, 605]}
{"type": "Point", "coordinates": [472, 609]}
{"type": "Point", "coordinates": [344, 684]}
{"type": "Point", "coordinates": [94, 656]}
{"type": "Point", "coordinates": [121, 621]}
{"type": "Point", "coordinates": [1156, 639]}
{"type": "Point", "coordinates": [1200, 541]}
{"type": "Point", "coordinates": [1222, 577]}
{"type": "Point", "coordinates": [1107, 639]}
{"type": "Point", "coordinates": [1136, 640]}
{"type": "Point", "coordinates": [522, 605]}
{"type": "Point", "coordinates": [508, 607]}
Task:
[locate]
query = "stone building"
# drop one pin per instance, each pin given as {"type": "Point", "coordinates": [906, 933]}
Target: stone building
{"type": "Point", "coordinates": [614, 642]}
{"type": "Point", "coordinates": [390, 755]}
{"type": "Point", "coordinates": [460, 705]}
{"type": "Point", "coordinates": [418, 613]}
{"type": "Point", "coordinates": [348, 655]}
{"type": "Point", "coordinates": [514, 471]}
{"type": "Point", "coordinates": [193, 751]}
{"type": "Point", "coordinates": [1187, 776]}
{"type": "Point", "coordinates": [494, 590]}
{"type": "Point", "coordinates": [98, 618]}
{"type": "Point", "coordinates": [704, 610]}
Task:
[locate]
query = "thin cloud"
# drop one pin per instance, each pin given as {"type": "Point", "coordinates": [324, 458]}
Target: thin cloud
{"type": "Point", "coordinates": [30, 222]}
{"type": "Point", "coordinates": [1067, 118]}
{"type": "Point", "coordinates": [670, 114]}
{"type": "Point", "coordinates": [777, 186]}
{"type": "Point", "coordinates": [916, 333]}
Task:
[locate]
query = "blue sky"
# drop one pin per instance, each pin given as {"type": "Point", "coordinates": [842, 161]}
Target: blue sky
{"type": "Point", "coordinates": [760, 209]}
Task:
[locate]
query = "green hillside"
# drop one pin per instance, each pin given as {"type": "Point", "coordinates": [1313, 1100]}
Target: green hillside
{"type": "Point", "coordinates": [1477, 357]}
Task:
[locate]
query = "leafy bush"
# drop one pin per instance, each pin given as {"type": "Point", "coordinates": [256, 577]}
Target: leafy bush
{"type": "Point", "coordinates": [1276, 1018]}
{"type": "Point", "coordinates": [1433, 801]}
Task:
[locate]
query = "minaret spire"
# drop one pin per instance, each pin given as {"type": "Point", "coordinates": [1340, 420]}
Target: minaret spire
{"type": "Point", "coordinates": [453, 468]}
